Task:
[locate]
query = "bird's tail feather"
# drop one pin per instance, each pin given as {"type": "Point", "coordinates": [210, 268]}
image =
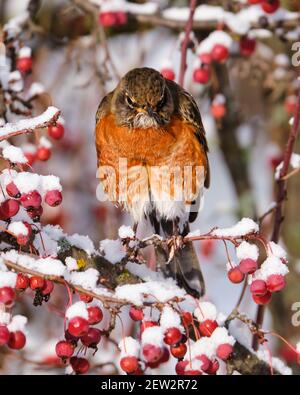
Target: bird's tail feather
{"type": "Point", "coordinates": [184, 268]}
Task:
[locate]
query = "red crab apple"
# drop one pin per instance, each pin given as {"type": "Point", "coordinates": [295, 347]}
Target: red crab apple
{"type": "Point", "coordinates": [24, 64]}
{"type": "Point", "coordinates": [136, 314]}
{"type": "Point", "coordinates": [193, 372]}
{"type": "Point", "coordinates": [56, 131]}
{"type": "Point", "coordinates": [235, 275]}
{"type": "Point", "coordinates": [12, 190]}
{"type": "Point", "coordinates": [121, 18]}
{"type": "Point", "coordinates": [224, 351]}
{"type": "Point", "coordinates": [108, 19]}
{"type": "Point", "coordinates": [263, 299]}
{"type": "Point", "coordinates": [78, 326]}
{"type": "Point", "coordinates": [79, 365]}
{"type": "Point", "coordinates": [22, 281]}
{"type": "Point", "coordinates": [152, 353]}
{"type": "Point", "coordinates": [254, 1]}
{"type": "Point", "coordinates": [179, 351]}
{"type": "Point", "coordinates": [290, 104]}
{"type": "Point", "coordinates": [258, 287]}
{"type": "Point", "coordinates": [4, 335]}
{"type": "Point", "coordinates": [7, 295]}
{"type": "Point", "coordinates": [91, 338]}
{"type": "Point", "coordinates": [43, 153]}
{"type": "Point", "coordinates": [201, 75]}
{"type": "Point", "coordinates": [248, 266]}
{"type": "Point", "coordinates": [219, 53]}
{"type": "Point", "coordinates": [180, 367]}
{"type": "Point", "coordinates": [168, 73]}
{"type": "Point", "coordinates": [207, 327]}
{"type": "Point", "coordinates": [172, 336]}
{"type": "Point", "coordinates": [213, 367]}
{"type": "Point", "coordinates": [64, 349]}
{"type": "Point", "coordinates": [95, 315]}
{"type": "Point", "coordinates": [17, 340]}
{"type": "Point", "coordinates": [187, 318]}
{"type": "Point", "coordinates": [207, 247]}
{"type": "Point", "coordinates": [129, 364]}
{"type": "Point", "coordinates": [205, 58]}
{"type": "Point", "coordinates": [86, 298]}
{"type": "Point", "coordinates": [218, 110]}
{"type": "Point", "coordinates": [270, 6]}
{"type": "Point", "coordinates": [9, 208]}
{"type": "Point", "coordinates": [36, 282]}
{"type": "Point", "coordinates": [247, 46]}
{"type": "Point", "coordinates": [275, 282]}
{"type": "Point", "coordinates": [47, 288]}
{"type": "Point", "coordinates": [31, 200]}
{"type": "Point", "coordinates": [53, 198]}
{"type": "Point", "coordinates": [30, 158]}
{"type": "Point", "coordinates": [206, 362]}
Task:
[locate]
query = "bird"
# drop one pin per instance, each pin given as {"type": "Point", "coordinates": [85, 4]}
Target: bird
{"type": "Point", "coordinates": [148, 130]}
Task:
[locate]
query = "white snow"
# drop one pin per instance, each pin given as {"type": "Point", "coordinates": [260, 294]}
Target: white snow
{"type": "Point", "coordinates": [86, 279]}
{"type": "Point", "coordinates": [24, 52]}
{"type": "Point", "coordinates": [15, 83]}
{"type": "Point", "coordinates": [113, 250]}
{"type": "Point", "coordinates": [14, 154]}
{"type": "Point", "coordinates": [44, 142]}
{"type": "Point", "coordinates": [153, 335]}
{"type": "Point", "coordinates": [129, 347]}
{"type": "Point", "coordinates": [277, 250]}
{"type": "Point", "coordinates": [77, 309]}
{"type": "Point", "coordinates": [170, 319]}
{"type": "Point", "coordinates": [205, 311]}
{"type": "Point", "coordinates": [246, 250]}
{"type": "Point", "coordinates": [214, 38]}
{"type": "Point", "coordinates": [18, 228]}
{"type": "Point", "coordinates": [221, 336]}
{"type": "Point", "coordinates": [50, 183]}
{"type": "Point", "coordinates": [276, 362]}
{"type": "Point", "coordinates": [244, 227]}
{"type": "Point", "coordinates": [8, 279]}
{"type": "Point", "coordinates": [35, 89]}
{"type": "Point", "coordinates": [17, 323]}
{"type": "Point", "coordinates": [4, 318]}
{"type": "Point", "coordinates": [27, 182]}
{"type": "Point", "coordinates": [126, 232]}
{"type": "Point", "coordinates": [155, 290]}
{"type": "Point", "coordinates": [203, 346]}
{"type": "Point", "coordinates": [30, 123]}
{"type": "Point", "coordinates": [71, 264]}
{"type": "Point", "coordinates": [272, 265]}
{"type": "Point", "coordinates": [82, 242]}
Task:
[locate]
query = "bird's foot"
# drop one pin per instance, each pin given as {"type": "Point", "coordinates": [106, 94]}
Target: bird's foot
{"type": "Point", "coordinates": [175, 243]}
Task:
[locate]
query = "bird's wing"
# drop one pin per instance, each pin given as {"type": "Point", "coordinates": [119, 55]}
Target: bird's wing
{"type": "Point", "coordinates": [104, 107]}
{"type": "Point", "coordinates": [187, 109]}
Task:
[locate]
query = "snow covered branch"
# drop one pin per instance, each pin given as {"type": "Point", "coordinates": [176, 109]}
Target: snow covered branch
{"type": "Point", "coordinates": [24, 126]}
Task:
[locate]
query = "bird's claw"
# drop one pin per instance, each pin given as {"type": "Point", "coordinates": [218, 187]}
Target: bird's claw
{"type": "Point", "coordinates": [175, 243]}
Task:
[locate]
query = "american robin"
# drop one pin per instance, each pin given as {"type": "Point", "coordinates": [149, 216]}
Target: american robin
{"type": "Point", "coordinates": [151, 149]}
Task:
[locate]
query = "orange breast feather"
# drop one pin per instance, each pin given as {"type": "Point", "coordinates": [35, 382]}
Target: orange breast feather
{"type": "Point", "coordinates": [148, 155]}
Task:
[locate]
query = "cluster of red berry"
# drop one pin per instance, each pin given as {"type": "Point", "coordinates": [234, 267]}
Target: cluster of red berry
{"type": "Point", "coordinates": [175, 341]}
{"type": "Point", "coordinates": [81, 329]}
{"type": "Point", "coordinates": [112, 18]}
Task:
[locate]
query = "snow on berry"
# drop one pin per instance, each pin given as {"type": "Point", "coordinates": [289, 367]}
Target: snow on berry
{"type": "Point", "coordinates": [8, 279]}
{"type": "Point", "coordinates": [203, 346]}
{"type": "Point", "coordinates": [205, 311]}
{"type": "Point", "coordinates": [27, 182]}
{"type": "Point", "coordinates": [50, 183]}
{"type": "Point", "coordinates": [18, 323]}
{"type": "Point", "coordinates": [170, 319]}
{"type": "Point", "coordinates": [77, 309]}
{"type": "Point", "coordinates": [272, 265]}
{"type": "Point", "coordinates": [215, 38]}
{"type": "Point", "coordinates": [277, 251]}
{"type": "Point", "coordinates": [129, 347]}
{"type": "Point", "coordinates": [246, 250]}
{"type": "Point", "coordinates": [126, 232]}
{"type": "Point", "coordinates": [113, 250]}
{"type": "Point", "coordinates": [244, 227]}
{"type": "Point", "coordinates": [14, 154]}
{"type": "Point", "coordinates": [153, 335]}
{"type": "Point", "coordinates": [18, 228]}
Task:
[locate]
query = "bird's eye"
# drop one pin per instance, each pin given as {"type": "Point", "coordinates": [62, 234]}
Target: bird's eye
{"type": "Point", "coordinates": [129, 102]}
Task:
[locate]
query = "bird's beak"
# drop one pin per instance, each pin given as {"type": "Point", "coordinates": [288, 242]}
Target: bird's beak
{"type": "Point", "coordinates": [150, 111]}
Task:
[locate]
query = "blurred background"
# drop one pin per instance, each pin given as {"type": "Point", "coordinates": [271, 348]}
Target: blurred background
{"type": "Point", "coordinates": [246, 106]}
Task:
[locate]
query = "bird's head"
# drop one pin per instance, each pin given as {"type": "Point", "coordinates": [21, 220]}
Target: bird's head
{"type": "Point", "coordinates": [142, 99]}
